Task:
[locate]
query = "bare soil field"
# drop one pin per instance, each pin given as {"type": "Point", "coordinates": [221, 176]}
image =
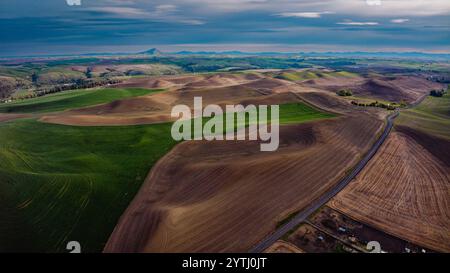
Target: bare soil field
{"type": "Point", "coordinates": [191, 81]}
{"type": "Point", "coordinates": [226, 196]}
{"type": "Point", "coordinates": [404, 191]}
{"type": "Point", "coordinates": [437, 146]}
{"type": "Point", "coordinates": [395, 89]}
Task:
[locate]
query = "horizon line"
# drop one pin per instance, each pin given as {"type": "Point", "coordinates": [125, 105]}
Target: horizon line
{"type": "Point", "coordinates": [225, 52]}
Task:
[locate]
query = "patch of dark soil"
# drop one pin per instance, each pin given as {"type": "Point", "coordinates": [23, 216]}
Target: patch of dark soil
{"type": "Point", "coordinates": [437, 146]}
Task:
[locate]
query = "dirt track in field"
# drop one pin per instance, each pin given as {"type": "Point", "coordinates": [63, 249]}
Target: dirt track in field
{"type": "Point", "coordinates": [7, 117]}
{"type": "Point", "coordinates": [226, 196]}
{"type": "Point", "coordinates": [405, 191]}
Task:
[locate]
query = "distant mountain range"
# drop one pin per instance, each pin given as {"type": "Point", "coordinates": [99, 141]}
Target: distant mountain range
{"type": "Point", "coordinates": [354, 54]}
{"type": "Point", "coordinates": [156, 52]}
{"type": "Point", "coordinates": [322, 54]}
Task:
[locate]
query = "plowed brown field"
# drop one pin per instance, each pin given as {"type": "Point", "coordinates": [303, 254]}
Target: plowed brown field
{"type": "Point", "coordinates": [394, 89]}
{"type": "Point", "coordinates": [226, 196]}
{"type": "Point", "coordinates": [405, 191]}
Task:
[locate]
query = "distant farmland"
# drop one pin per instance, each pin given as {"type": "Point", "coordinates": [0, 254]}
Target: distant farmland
{"type": "Point", "coordinates": [72, 99]}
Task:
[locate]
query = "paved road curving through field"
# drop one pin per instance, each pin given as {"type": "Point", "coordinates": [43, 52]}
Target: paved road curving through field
{"type": "Point", "coordinates": [305, 213]}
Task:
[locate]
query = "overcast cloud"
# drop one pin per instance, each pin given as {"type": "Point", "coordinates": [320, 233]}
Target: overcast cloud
{"type": "Point", "coordinates": [53, 26]}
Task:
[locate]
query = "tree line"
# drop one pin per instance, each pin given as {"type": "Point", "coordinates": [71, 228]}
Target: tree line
{"type": "Point", "coordinates": [78, 84]}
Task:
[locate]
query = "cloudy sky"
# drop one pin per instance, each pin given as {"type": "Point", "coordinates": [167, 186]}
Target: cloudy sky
{"type": "Point", "coordinates": [53, 26]}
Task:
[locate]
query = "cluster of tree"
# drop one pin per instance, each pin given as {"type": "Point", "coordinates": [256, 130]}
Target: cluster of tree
{"type": "Point", "coordinates": [437, 93]}
{"type": "Point", "coordinates": [5, 91]}
{"type": "Point", "coordinates": [439, 78]}
{"type": "Point", "coordinates": [392, 106]}
{"type": "Point", "coordinates": [79, 84]}
{"type": "Point", "coordinates": [89, 73]}
{"type": "Point", "coordinates": [344, 92]}
{"type": "Point", "coordinates": [8, 85]}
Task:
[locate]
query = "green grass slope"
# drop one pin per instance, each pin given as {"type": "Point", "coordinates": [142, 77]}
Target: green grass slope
{"type": "Point", "coordinates": [311, 74]}
{"type": "Point", "coordinates": [289, 113]}
{"type": "Point", "coordinates": [432, 116]}
{"type": "Point", "coordinates": [60, 183]}
{"type": "Point", "coordinates": [72, 99]}
{"type": "Point", "coordinates": [299, 112]}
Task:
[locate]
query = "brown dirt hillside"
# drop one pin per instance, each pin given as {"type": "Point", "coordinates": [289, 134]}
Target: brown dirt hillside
{"type": "Point", "coordinates": [226, 196]}
{"type": "Point", "coordinates": [394, 89]}
{"type": "Point", "coordinates": [405, 191]}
